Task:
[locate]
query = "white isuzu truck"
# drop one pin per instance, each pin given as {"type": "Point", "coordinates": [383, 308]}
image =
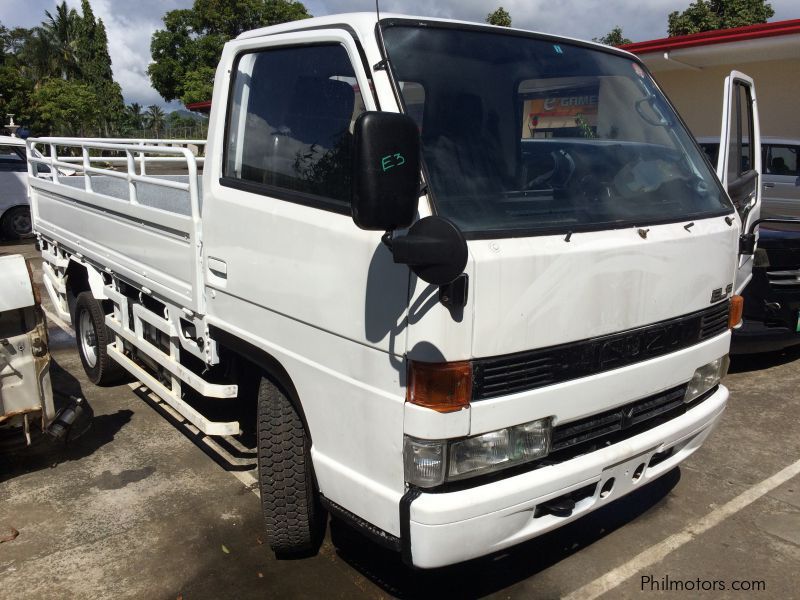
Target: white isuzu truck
{"type": "Point", "coordinates": [478, 281]}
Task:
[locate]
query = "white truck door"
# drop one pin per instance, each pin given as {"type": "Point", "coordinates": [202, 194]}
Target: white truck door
{"type": "Point", "coordinates": [739, 162]}
{"type": "Point", "coordinates": [288, 268]}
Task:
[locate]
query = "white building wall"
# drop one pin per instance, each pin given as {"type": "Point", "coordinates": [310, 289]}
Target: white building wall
{"type": "Point", "coordinates": [697, 94]}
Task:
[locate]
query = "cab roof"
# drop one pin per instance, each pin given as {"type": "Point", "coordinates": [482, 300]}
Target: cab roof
{"type": "Point", "coordinates": [363, 23]}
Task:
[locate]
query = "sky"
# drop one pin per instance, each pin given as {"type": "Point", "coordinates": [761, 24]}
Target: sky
{"type": "Point", "coordinates": [130, 24]}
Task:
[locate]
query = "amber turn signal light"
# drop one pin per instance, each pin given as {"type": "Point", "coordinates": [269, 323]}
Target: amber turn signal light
{"type": "Point", "coordinates": [735, 314]}
{"type": "Point", "coordinates": [443, 387]}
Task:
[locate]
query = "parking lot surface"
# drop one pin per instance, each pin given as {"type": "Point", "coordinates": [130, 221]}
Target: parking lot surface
{"type": "Point", "coordinates": [144, 507]}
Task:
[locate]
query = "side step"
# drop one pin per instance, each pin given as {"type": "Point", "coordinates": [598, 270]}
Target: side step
{"type": "Point", "coordinates": [168, 396]}
{"type": "Point", "coordinates": [205, 388]}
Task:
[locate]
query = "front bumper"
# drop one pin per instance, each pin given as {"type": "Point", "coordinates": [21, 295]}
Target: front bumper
{"type": "Point", "coordinates": [447, 528]}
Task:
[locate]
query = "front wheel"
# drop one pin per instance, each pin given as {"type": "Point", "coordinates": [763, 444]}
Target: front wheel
{"type": "Point", "coordinates": [93, 336]}
{"type": "Point", "coordinates": [294, 518]}
{"type": "Point", "coordinates": [16, 223]}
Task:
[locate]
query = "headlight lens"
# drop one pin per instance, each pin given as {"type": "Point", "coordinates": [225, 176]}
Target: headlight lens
{"type": "Point", "coordinates": [480, 453]}
{"type": "Point", "coordinates": [424, 460]}
{"type": "Point", "coordinates": [706, 377]}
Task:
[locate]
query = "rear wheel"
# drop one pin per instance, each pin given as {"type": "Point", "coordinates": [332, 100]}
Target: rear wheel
{"type": "Point", "coordinates": [295, 521]}
{"type": "Point", "coordinates": [93, 336]}
{"type": "Point", "coordinates": [16, 223]}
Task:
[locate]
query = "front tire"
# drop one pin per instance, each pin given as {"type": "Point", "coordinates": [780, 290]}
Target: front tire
{"type": "Point", "coordinates": [93, 336]}
{"type": "Point", "coordinates": [294, 518]}
{"type": "Point", "coordinates": [17, 223]}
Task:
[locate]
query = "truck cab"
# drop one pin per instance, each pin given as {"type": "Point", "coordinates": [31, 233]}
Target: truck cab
{"type": "Point", "coordinates": [485, 275]}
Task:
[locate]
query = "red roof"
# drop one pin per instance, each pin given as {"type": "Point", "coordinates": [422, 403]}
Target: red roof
{"type": "Point", "coordinates": [717, 36]}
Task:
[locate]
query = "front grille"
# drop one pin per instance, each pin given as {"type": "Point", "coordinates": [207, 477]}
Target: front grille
{"type": "Point", "coordinates": [612, 421]}
{"type": "Point", "coordinates": [714, 321]}
{"type": "Point", "coordinates": [788, 280]}
{"type": "Point", "coordinates": [533, 369]}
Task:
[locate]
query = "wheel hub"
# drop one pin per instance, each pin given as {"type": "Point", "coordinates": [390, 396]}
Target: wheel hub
{"type": "Point", "coordinates": [88, 338]}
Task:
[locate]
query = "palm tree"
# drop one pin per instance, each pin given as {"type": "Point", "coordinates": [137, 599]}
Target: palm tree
{"type": "Point", "coordinates": [135, 115]}
{"type": "Point", "coordinates": [37, 60]}
{"type": "Point", "coordinates": [60, 34]}
{"type": "Point", "coordinates": [154, 119]}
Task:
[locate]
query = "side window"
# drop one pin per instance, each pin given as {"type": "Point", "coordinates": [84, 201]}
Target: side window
{"type": "Point", "coordinates": [290, 123]}
{"type": "Point", "coordinates": [11, 161]}
{"type": "Point", "coordinates": [740, 134]}
{"type": "Point", "coordinates": [782, 160]}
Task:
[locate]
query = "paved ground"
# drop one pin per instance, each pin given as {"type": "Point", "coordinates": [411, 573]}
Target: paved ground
{"type": "Point", "coordinates": [143, 508]}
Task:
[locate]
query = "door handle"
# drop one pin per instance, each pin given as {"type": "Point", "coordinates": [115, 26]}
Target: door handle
{"type": "Point", "coordinates": [218, 267]}
{"type": "Point", "coordinates": [769, 185]}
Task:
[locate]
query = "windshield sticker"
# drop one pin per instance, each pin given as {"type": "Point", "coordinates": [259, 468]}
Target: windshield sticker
{"type": "Point", "coordinates": [571, 111]}
{"type": "Point", "coordinates": [558, 49]}
{"type": "Point", "coordinates": [638, 70]}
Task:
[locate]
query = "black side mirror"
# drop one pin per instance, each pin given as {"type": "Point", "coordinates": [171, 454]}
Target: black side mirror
{"type": "Point", "coordinates": [386, 171]}
{"type": "Point", "coordinates": [435, 249]}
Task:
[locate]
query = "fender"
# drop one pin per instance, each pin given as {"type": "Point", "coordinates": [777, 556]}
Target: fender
{"type": "Point", "coordinates": [94, 277]}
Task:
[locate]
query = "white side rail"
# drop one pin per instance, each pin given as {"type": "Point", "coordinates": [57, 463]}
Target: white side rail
{"type": "Point", "coordinates": [144, 227]}
{"type": "Point", "coordinates": [142, 159]}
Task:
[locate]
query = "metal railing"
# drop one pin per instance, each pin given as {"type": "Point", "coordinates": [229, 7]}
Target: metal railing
{"type": "Point", "coordinates": [45, 151]}
{"type": "Point", "coordinates": [142, 158]}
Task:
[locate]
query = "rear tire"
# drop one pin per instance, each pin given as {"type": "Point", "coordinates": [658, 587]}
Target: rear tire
{"type": "Point", "coordinates": [93, 336]}
{"type": "Point", "coordinates": [17, 223]}
{"type": "Point", "coordinates": [294, 518]}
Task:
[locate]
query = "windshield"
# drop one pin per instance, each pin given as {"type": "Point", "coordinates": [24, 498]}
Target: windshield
{"type": "Point", "coordinates": [521, 134]}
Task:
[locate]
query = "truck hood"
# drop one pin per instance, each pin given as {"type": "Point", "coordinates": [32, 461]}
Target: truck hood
{"type": "Point", "coordinates": [537, 292]}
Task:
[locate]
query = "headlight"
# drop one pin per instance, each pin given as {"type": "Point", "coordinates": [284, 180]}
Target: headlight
{"type": "Point", "coordinates": [706, 377]}
{"type": "Point", "coordinates": [430, 462]}
{"type": "Point", "coordinates": [423, 461]}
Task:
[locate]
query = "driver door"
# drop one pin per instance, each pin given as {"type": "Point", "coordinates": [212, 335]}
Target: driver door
{"type": "Point", "coordinates": [739, 162]}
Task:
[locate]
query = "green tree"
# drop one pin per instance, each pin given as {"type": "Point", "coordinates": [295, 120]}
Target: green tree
{"type": "Point", "coordinates": [154, 119]}
{"type": "Point", "coordinates": [705, 15]}
{"type": "Point", "coordinates": [66, 108]}
{"type": "Point", "coordinates": [60, 35]}
{"type": "Point", "coordinates": [15, 87]}
{"type": "Point", "coordinates": [37, 60]}
{"type": "Point", "coordinates": [135, 115]}
{"type": "Point", "coordinates": [185, 53]}
{"type": "Point", "coordinates": [94, 63]}
{"type": "Point", "coordinates": [614, 37]}
{"type": "Point", "coordinates": [12, 41]}
{"type": "Point", "coordinates": [71, 47]}
{"type": "Point", "coordinates": [499, 17]}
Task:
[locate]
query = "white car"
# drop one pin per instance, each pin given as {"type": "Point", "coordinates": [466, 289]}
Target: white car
{"type": "Point", "coordinates": [781, 177]}
{"type": "Point", "coordinates": [15, 212]}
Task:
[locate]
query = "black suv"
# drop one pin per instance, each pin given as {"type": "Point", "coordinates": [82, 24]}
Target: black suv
{"type": "Point", "coordinates": [772, 298]}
